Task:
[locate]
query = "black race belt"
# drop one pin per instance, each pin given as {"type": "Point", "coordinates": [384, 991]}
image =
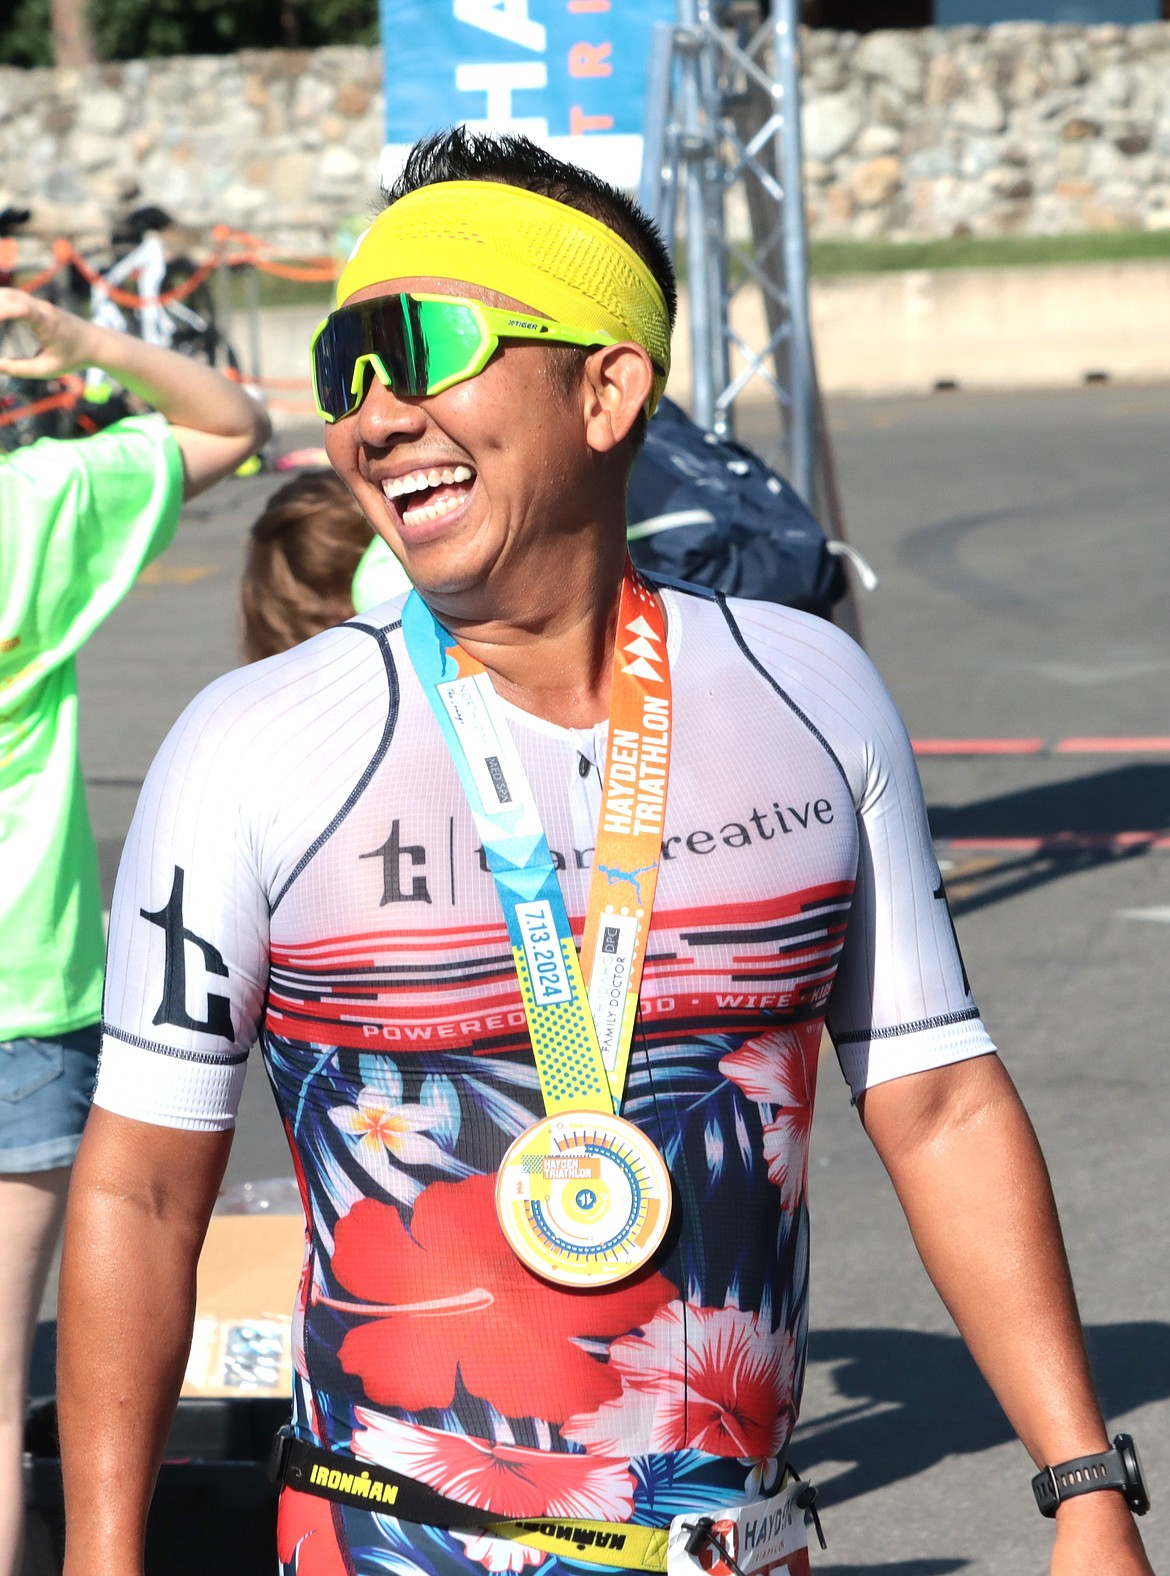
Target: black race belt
{"type": "Point", "coordinates": [311, 1470]}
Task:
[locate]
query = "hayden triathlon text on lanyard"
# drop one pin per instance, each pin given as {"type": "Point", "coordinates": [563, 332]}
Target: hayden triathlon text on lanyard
{"type": "Point", "coordinates": [583, 1197]}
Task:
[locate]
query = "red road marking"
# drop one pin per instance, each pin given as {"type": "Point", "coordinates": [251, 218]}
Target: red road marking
{"type": "Point", "coordinates": [1060, 842]}
{"type": "Point", "coordinates": [1154, 745]}
{"type": "Point", "coordinates": [978, 746]}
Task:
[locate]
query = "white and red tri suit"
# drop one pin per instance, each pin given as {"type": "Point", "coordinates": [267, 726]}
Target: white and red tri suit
{"type": "Point", "coordinates": [303, 868]}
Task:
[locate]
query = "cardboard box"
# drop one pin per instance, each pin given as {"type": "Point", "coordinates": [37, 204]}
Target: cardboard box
{"type": "Point", "coordinates": [248, 1275]}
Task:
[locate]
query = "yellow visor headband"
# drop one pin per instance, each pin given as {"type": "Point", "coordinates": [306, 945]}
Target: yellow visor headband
{"type": "Point", "coordinates": [554, 259]}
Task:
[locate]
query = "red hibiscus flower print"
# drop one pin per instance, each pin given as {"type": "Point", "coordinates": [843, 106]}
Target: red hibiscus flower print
{"type": "Point", "coordinates": [710, 1379]}
{"type": "Point", "coordinates": [450, 1298]}
{"type": "Point", "coordinates": [780, 1070]}
{"type": "Point", "coordinates": [506, 1480]}
{"type": "Point", "coordinates": [305, 1537]}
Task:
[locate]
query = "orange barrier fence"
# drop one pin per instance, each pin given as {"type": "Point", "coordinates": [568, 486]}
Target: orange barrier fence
{"type": "Point", "coordinates": [66, 253]}
{"type": "Point", "coordinates": [231, 249]}
{"type": "Point", "coordinates": [307, 270]}
{"type": "Point", "coordinates": [68, 396]}
{"type": "Point", "coordinates": [277, 392]}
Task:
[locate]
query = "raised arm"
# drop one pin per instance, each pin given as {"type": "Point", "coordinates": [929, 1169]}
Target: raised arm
{"type": "Point", "coordinates": [968, 1171]}
{"type": "Point", "coordinates": [217, 425]}
{"type": "Point", "coordinates": [141, 1199]}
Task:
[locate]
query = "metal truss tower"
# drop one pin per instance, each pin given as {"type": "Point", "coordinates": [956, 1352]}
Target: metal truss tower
{"type": "Point", "coordinates": [722, 141]}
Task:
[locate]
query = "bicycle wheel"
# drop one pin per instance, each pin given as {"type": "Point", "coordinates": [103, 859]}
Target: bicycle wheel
{"type": "Point", "coordinates": [193, 319]}
{"type": "Point", "coordinates": [32, 409]}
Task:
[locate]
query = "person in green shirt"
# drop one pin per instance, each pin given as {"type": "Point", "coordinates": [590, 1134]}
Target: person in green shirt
{"type": "Point", "coordinates": [78, 521]}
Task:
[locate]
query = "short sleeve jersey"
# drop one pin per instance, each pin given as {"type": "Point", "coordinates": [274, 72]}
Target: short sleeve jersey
{"type": "Point", "coordinates": [78, 520]}
{"type": "Point", "coordinates": [303, 866]}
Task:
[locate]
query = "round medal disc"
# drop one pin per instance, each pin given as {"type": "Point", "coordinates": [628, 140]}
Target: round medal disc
{"type": "Point", "coordinates": [583, 1198]}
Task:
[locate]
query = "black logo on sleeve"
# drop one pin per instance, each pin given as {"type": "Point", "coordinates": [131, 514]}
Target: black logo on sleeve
{"type": "Point", "coordinates": [391, 854]}
{"type": "Point", "coordinates": [173, 1007]}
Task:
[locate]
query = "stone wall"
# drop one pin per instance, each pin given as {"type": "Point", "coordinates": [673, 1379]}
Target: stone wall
{"type": "Point", "coordinates": [1017, 128]}
{"type": "Point", "coordinates": [281, 142]}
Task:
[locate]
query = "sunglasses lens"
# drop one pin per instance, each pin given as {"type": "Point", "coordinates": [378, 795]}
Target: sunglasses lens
{"type": "Point", "coordinates": [420, 345]}
{"type": "Point", "coordinates": [454, 341]}
{"type": "Point", "coordinates": [339, 342]}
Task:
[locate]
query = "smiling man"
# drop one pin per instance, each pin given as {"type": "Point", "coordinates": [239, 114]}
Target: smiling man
{"type": "Point", "coordinates": [555, 1294]}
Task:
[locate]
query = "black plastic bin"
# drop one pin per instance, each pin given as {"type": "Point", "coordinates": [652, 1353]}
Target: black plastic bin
{"type": "Point", "coordinates": [214, 1508]}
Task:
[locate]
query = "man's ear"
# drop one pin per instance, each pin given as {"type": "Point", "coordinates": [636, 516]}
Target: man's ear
{"type": "Point", "coordinates": [615, 387]}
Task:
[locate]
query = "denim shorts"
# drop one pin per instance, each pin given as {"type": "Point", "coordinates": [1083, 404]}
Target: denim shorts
{"type": "Point", "coordinates": [45, 1089]}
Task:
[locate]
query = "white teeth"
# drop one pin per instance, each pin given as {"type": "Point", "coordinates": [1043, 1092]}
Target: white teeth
{"type": "Point", "coordinates": [399, 486]}
{"type": "Point", "coordinates": [430, 511]}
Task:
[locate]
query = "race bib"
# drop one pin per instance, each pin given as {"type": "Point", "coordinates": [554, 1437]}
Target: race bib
{"type": "Point", "coordinates": [763, 1537]}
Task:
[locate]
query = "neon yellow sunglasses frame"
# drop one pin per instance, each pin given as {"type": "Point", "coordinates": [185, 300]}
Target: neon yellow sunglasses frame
{"type": "Point", "coordinates": [431, 341]}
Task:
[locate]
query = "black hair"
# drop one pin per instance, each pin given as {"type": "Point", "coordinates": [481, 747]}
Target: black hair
{"type": "Point", "coordinates": [460, 155]}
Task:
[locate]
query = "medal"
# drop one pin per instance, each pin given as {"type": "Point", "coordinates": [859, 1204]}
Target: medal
{"type": "Point", "coordinates": [583, 1197]}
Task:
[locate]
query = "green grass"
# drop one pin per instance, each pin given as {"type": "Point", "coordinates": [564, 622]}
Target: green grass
{"type": "Point", "coordinates": [272, 291]}
{"type": "Point", "coordinates": [1098, 246]}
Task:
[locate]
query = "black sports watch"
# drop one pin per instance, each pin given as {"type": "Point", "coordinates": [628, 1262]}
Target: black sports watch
{"type": "Point", "coordinates": [1119, 1468]}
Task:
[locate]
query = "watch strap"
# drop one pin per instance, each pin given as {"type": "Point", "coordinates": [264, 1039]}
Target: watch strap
{"type": "Point", "coordinates": [1081, 1475]}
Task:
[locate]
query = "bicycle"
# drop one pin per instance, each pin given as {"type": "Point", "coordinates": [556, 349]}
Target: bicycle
{"type": "Point", "coordinates": [166, 301]}
{"type": "Point", "coordinates": [30, 408]}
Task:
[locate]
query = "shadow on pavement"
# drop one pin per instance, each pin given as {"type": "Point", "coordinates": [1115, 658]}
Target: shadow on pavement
{"type": "Point", "coordinates": [900, 1568]}
{"type": "Point", "coordinates": [908, 1399]}
{"type": "Point", "coordinates": [932, 554]}
{"type": "Point", "coordinates": [1132, 798]}
{"type": "Point", "coordinates": [1123, 801]}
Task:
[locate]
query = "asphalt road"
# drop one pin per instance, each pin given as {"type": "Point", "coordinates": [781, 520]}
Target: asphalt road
{"type": "Point", "coordinates": [1022, 547]}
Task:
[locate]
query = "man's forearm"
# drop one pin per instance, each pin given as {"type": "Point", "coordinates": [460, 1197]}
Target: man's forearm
{"type": "Point", "coordinates": [968, 1171]}
{"type": "Point", "coordinates": [127, 1301]}
{"type": "Point", "coordinates": [976, 1193]}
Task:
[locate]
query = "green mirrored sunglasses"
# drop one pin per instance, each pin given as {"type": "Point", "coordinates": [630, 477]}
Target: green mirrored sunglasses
{"type": "Point", "coordinates": [418, 344]}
